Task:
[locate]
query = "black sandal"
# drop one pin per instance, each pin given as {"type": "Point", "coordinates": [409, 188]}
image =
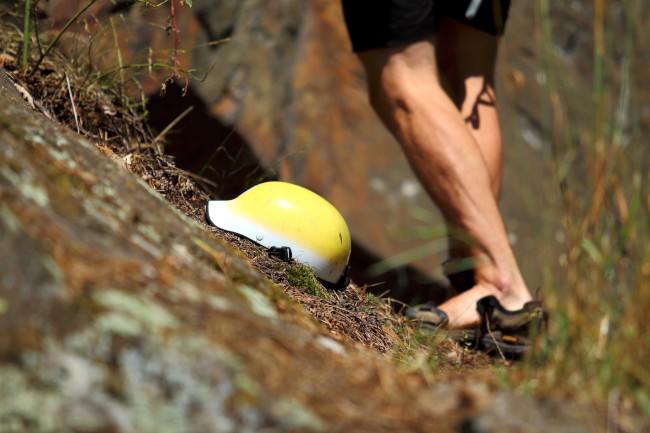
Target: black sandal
{"type": "Point", "coordinates": [502, 331]}
{"type": "Point", "coordinates": [506, 332]}
{"type": "Point", "coordinates": [428, 317]}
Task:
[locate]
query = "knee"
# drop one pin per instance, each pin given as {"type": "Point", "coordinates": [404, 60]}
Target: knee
{"type": "Point", "coordinates": [387, 90]}
{"type": "Point", "coordinates": [397, 91]}
{"type": "Point", "coordinates": [400, 77]}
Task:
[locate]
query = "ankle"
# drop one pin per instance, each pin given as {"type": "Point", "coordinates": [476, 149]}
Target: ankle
{"type": "Point", "coordinates": [508, 287]}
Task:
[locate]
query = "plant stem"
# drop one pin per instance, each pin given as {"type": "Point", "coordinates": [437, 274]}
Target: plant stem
{"type": "Point", "coordinates": [176, 37]}
{"type": "Point", "coordinates": [28, 6]}
{"type": "Point", "coordinates": [61, 32]}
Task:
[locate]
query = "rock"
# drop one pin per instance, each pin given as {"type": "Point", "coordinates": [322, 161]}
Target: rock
{"type": "Point", "coordinates": [541, 416]}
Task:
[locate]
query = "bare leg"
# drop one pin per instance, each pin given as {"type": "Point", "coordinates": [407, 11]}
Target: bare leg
{"type": "Point", "coordinates": [406, 92]}
{"type": "Point", "coordinates": [466, 59]}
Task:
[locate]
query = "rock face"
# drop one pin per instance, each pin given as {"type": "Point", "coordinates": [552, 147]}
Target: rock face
{"type": "Point", "coordinates": [288, 84]}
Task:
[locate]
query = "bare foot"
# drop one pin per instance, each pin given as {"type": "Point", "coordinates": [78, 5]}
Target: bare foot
{"type": "Point", "coordinates": [461, 309]}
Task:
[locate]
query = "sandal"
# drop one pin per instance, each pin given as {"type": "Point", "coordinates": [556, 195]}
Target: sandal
{"type": "Point", "coordinates": [502, 331]}
{"type": "Point", "coordinates": [430, 318]}
{"type": "Point", "coordinates": [509, 332]}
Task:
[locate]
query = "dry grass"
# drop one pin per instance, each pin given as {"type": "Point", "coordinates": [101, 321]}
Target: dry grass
{"type": "Point", "coordinates": [599, 343]}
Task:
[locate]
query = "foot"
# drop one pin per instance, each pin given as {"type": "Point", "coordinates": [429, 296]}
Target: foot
{"type": "Point", "coordinates": [461, 309]}
{"type": "Point", "coordinates": [428, 317]}
{"type": "Point", "coordinates": [502, 331]}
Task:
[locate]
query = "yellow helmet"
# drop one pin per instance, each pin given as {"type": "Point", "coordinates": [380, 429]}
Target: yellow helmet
{"type": "Point", "coordinates": [279, 215]}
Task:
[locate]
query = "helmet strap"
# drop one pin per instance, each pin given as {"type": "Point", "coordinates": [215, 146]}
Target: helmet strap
{"type": "Point", "coordinates": [283, 253]}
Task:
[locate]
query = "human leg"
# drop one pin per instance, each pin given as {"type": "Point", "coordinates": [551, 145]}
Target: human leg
{"type": "Point", "coordinates": [466, 60]}
{"type": "Point", "coordinates": [405, 91]}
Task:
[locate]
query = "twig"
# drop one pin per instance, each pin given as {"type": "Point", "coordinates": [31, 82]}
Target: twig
{"type": "Point", "coordinates": [175, 62]}
{"type": "Point", "coordinates": [37, 35]}
{"type": "Point", "coordinates": [118, 52]}
{"type": "Point", "coordinates": [74, 109]}
{"type": "Point", "coordinates": [495, 341]}
{"type": "Point", "coordinates": [171, 125]}
{"type": "Point", "coordinates": [214, 154]}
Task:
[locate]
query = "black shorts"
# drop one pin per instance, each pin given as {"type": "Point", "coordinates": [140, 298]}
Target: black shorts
{"type": "Point", "coordinates": [384, 23]}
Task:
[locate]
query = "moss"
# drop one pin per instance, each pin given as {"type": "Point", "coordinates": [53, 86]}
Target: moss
{"type": "Point", "coordinates": [10, 220]}
{"type": "Point", "coordinates": [117, 323]}
{"type": "Point", "coordinates": [24, 182]}
{"type": "Point", "coordinates": [373, 299]}
{"type": "Point", "coordinates": [303, 278]}
{"type": "Point", "coordinates": [154, 236]}
{"type": "Point", "coordinates": [292, 415]}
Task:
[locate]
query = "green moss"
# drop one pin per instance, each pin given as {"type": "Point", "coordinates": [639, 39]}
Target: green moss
{"type": "Point", "coordinates": [373, 299]}
{"type": "Point", "coordinates": [294, 416]}
{"type": "Point", "coordinates": [26, 405]}
{"type": "Point", "coordinates": [303, 278]}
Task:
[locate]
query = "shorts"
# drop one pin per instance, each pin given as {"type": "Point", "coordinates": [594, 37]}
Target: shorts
{"type": "Point", "coordinates": [383, 23]}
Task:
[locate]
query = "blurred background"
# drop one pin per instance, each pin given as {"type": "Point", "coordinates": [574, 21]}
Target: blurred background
{"type": "Point", "coordinates": [271, 90]}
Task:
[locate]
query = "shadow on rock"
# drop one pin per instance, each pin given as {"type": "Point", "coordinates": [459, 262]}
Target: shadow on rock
{"type": "Point", "coordinates": [226, 166]}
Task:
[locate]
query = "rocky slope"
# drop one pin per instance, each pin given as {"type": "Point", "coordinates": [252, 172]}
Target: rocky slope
{"type": "Point", "coordinates": [118, 313]}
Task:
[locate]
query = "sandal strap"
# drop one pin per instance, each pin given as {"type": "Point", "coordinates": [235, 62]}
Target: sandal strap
{"type": "Point", "coordinates": [497, 317]}
{"type": "Point", "coordinates": [428, 315]}
{"type": "Point", "coordinates": [508, 331]}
